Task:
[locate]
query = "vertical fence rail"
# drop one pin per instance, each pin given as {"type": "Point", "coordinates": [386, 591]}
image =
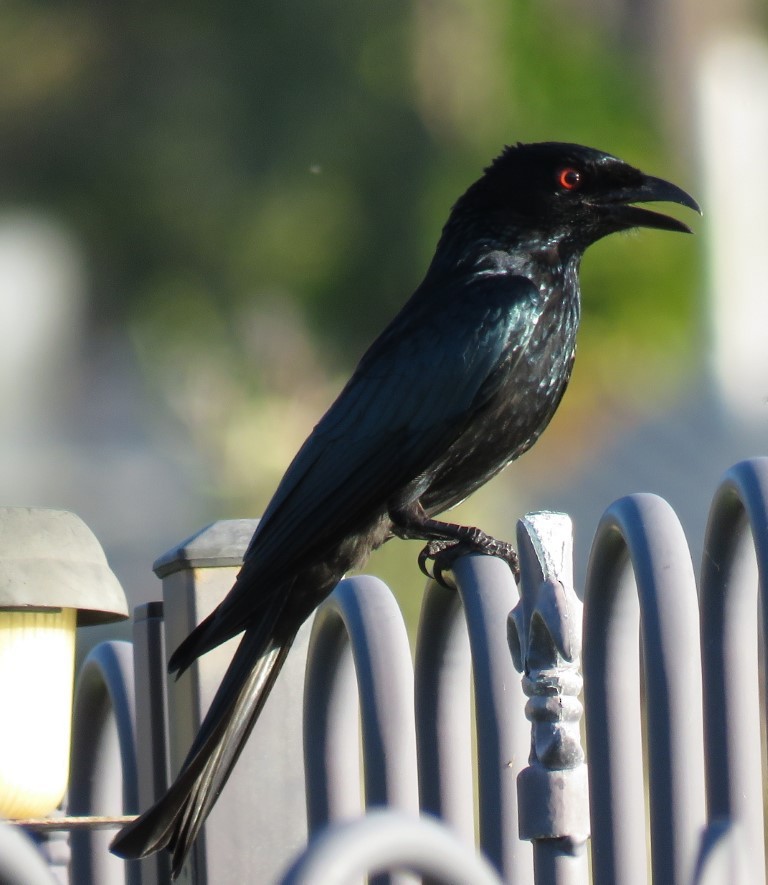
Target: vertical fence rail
{"type": "Point", "coordinates": [643, 531]}
{"type": "Point", "coordinates": [151, 697]}
{"type": "Point", "coordinates": [732, 598]}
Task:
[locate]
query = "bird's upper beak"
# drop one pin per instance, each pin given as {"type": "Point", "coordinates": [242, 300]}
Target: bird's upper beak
{"type": "Point", "coordinates": [618, 206]}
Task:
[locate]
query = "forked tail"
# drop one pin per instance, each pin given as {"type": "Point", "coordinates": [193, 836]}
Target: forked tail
{"type": "Point", "coordinates": [175, 820]}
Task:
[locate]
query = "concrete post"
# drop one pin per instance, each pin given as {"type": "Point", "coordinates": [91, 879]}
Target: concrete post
{"type": "Point", "coordinates": [259, 823]}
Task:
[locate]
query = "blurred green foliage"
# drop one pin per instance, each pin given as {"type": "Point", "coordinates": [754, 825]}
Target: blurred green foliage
{"type": "Point", "coordinates": [259, 186]}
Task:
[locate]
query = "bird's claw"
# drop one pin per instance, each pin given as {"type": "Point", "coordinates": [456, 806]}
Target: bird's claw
{"type": "Point", "coordinates": [444, 554]}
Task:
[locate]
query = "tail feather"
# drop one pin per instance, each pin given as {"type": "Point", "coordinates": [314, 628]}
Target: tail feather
{"type": "Point", "coordinates": [219, 765]}
{"type": "Point", "coordinates": [211, 632]}
{"type": "Point", "coordinates": [175, 820]}
{"type": "Point", "coordinates": [231, 617]}
{"type": "Point", "coordinates": [193, 646]}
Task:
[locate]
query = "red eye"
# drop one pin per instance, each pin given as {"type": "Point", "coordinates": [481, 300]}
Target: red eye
{"type": "Point", "coordinates": [569, 179]}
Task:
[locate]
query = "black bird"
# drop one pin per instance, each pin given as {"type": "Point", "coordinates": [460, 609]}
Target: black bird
{"type": "Point", "coordinates": [462, 381]}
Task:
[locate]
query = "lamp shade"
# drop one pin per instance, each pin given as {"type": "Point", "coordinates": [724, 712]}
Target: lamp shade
{"type": "Point", "coordinates": [51, 559]}
{"type": "Point", "coordinates": [53, 577]}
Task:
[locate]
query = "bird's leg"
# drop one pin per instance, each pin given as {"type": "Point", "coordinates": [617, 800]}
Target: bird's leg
{"type": "Point", "coordinates": [447, 540]}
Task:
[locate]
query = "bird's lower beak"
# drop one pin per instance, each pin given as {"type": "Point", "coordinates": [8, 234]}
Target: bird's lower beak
{"type": "Point", "coordinates": [651, 190]}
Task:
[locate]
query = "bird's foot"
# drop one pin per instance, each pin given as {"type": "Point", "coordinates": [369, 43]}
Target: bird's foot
{"type": "Point", "coordinates": [445, 553]}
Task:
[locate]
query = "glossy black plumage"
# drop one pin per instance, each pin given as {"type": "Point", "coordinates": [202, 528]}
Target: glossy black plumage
{"type": "Point", "coordinates": [463, 381]}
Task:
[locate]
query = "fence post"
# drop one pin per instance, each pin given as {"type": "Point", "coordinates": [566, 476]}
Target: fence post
{"type": "Point", "coordinates": [259, 822]}
{"type": "Point", "coordinates": [545, 640]}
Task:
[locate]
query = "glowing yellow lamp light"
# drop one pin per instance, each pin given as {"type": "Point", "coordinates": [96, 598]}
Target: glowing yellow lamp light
{"type": "Point", "coordinates": [54, 577]}
{"type": "Point", "coordinates": [37, 659]}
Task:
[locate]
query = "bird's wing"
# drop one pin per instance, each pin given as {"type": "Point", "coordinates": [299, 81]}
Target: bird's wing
{"type": "Point", "coordinates": [409, 399]}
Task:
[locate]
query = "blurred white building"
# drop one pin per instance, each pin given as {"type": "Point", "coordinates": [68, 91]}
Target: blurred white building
{"type": "Point", "coordinates": [74, 421]}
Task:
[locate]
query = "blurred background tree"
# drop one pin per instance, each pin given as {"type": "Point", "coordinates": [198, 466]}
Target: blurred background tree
{"type": "Point", "coordinates": [258, 187]}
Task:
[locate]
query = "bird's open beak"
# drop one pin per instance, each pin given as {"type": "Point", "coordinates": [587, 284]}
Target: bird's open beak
{"type": "Point", "coordinates": [651, 190]}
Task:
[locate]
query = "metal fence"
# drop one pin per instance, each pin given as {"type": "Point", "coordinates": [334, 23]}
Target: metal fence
{"type": "Point", "coordinates": [362, 762]}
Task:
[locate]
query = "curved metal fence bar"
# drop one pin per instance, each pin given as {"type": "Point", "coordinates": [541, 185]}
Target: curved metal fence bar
{"type": "Point", "coordinates": [362, 615]}
{"type": "Point", "coordinates": [331, 730]}
{"type": "Point", "coordinates": [103, 773]}
{"type": "Point", "coordinates": [443, 711]}
{"type": "Point", "coordinates": [729, 649]}
{"type": "Point", "coordinates": [488, 593]}
{"type": "Point", "coordinates": [644, 532]}
{"type": "Point", "coordinates": [20, 860]}
{"type": "Point", "coordinates": [387, 840]}
{"type": "Point", "coordinates": [724, 858]}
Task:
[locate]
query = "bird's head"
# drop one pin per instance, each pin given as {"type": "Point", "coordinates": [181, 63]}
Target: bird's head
{"type": "Point", "coordinates": [571, 193]}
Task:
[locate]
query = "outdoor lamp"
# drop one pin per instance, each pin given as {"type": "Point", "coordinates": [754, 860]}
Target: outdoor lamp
{"type": "Point", "coordinates": [54, 577]}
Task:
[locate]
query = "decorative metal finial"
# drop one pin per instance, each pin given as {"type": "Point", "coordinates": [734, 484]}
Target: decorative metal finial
{"type": "Point", "coordinates": [545, 640]}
